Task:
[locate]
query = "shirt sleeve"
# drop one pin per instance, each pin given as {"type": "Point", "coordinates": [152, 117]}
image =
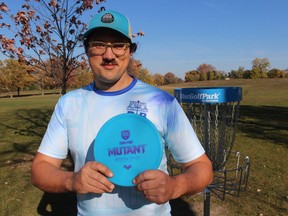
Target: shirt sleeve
{"type": "Point", "coordinates": [181, 138]}
{"type": "Point", "coordinates": [55, 142]}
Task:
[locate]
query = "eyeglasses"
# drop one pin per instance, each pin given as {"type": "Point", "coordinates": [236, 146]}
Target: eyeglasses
{"type": "Point", "coordinates": [99, 48]}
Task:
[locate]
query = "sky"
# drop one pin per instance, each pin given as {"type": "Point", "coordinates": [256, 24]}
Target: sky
{"type": "Point", "coordinates": [228, 34]}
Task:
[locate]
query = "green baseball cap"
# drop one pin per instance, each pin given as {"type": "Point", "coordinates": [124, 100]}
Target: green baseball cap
{"type": "Point", "coordinates": [110, 19]}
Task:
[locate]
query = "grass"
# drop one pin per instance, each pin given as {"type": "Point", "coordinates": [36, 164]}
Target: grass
{"type": "Point", "coordinates": [262, 135]}
{"type": "Point", "coordinates": [22, 124]}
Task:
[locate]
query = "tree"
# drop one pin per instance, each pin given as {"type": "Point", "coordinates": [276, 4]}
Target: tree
{"type": "Point", "coordinates": [204, 69]}
{"type": "Point", "coordinates": [276, 73]}
{"type": "Point", "coordinates": [255, 73]}
{"type": "Point", "coordinates": [43, 80]}
{"type": "Point", "coordinates": [158, 79]}
{"type": "Point", "coordinates": [145, 76]}
{"type": "Point", "coordinates": [247, 74]}
{"type": "Point", "coordinates": [14, 76]}
{"type": "Point", "coordinates": [191, 76]}
{"type": "Point", "coordinates": [212, 75]}
{"type": "Point", "coordinates": [134, 67]}
{"type": "Point", "coordinates": [237, 74]}
{"type": "Point", "coordinates": [260, 67]}
{"type": "Point", "coordinates": [47, 31]}
{"type": "Point", "coordinates": [286, 73]}
{"type": "Point", "coordinates": [83, 77]}
{"type": "Point", "coordinates": [170, 78]}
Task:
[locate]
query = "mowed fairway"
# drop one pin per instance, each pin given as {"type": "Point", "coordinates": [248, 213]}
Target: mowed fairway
{"type": "Point", "coordinates": [262, 135]}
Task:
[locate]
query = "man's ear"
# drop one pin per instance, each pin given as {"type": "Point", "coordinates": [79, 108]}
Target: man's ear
{"type": "Point", "coordinates": [133, 48]}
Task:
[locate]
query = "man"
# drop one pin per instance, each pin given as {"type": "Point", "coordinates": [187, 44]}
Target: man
{"type": "Point", "coordinates": [79, 115]}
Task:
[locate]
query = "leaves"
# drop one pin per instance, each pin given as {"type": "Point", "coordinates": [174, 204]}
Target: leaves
{"type": "Point", "coordinates": [7, 44]}
{"type": "Point", "coordinates": [205, 68]}
{"type": "Point", "coordinates": [53, 3]}
{"type": "Point", "coordinates": [14, 76]}
{"type": "Point", "coordinates": [140, 33]}
{"type": "Point", "coordinates": [54, 36]}
{"type": "Point", "coordinates": [48, 36]}
{"type": "Point", "coordinates": [3, 7]}
{"type": "Point", "coordinates": [260, 68]}
{"type": "Point", "coordinates": [21, 18]}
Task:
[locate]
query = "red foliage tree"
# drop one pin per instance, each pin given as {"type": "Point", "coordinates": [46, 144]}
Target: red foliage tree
{"type": "Point", "coordinates": [47, 31]}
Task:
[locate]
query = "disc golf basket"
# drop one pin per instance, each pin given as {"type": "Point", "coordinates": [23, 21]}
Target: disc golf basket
{"type": "Point", "coordinates": [213, 113]}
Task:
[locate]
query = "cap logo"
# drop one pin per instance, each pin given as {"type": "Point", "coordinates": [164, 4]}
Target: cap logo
{"type": "Point", "coordinates": [107, 18]}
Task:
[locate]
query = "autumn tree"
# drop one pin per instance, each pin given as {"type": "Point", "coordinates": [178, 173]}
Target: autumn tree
{"type": "Point", "coordinates": [204, 69]}
{"type": "Point", "coordinates": [191, 76]}
{"type": "Point", "coordinates": [43, 81]}
{"type": "Point", "coordinates": [134, 67]}
{"type": "Point", "coordinates": [47, 80]}
{"type": "Point", "coordinates": [145, 76]}
{"type": "Point", "coordinates": [47, 31]}
{"type": "Point", "coordinates": [158, 79]}
{"type": "Point", "coordinates": [237, 74]}
{"type": "Point", "coordinates": [260, 68]}
{"type": "Point", "coordinates": [83, 77]}
{"type": "Point", "coordinates": [276, 73]}
{"type": "Point", "coordinates": [170, 78]}
{"type": "Point", "coordinates": [215, 75]}
{"type": "Point", "coordinates": [247, 74]}
{"type": "Point", "coordinates": [14, 76]}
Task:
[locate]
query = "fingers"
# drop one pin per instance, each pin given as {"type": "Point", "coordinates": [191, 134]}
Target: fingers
{"type": "Point", "coordinates": [99, 183]}
{"type": "Point", "coordinates": [145, 176]}
{"type": "Point", "coordinates": [97, 177]}
{"type": "Point", "coordinates": [98, 167]}
{"type": "Point", "coordinates": [150, 182]}
{"type": "Point", "coordinates": [154, 196]}
{"type": "Point", "coordinates": [93, 178]}
{"type": "Point", "coordinates": [156, 185]}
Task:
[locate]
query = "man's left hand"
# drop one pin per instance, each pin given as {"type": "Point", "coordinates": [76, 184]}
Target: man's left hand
{"type": "Point", "coordinates": [156, 185]}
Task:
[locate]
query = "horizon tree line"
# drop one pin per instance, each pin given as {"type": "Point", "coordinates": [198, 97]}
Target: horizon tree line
{"type": "Point", "coordinates": [16, 76]}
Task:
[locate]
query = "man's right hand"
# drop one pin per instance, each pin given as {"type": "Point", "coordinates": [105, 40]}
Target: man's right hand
{"type": "Point", "coordinates": [48, 176]}
{"type": "Point", "coordinates": [92, 178]}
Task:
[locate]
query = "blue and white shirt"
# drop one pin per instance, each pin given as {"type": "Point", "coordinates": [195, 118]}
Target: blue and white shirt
{"type": "Point", "coordinates": [79, 115]}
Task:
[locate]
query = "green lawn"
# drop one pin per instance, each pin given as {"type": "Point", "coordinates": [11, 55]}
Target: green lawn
{"type": "Point", "coordinates": [262, 135]}
{"type": "Point", "coordinates": [22, 123]}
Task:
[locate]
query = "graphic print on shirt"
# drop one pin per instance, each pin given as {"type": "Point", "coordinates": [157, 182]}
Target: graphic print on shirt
{"type": "Point", "coordinates": [137, 107]}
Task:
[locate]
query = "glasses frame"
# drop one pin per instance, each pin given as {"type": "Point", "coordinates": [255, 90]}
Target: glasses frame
{"type": "Point", "coordinates": [106, 45]}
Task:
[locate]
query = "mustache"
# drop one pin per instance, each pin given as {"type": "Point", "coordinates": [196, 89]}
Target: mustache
{"type": "Point", "coordinates": [108, 61]}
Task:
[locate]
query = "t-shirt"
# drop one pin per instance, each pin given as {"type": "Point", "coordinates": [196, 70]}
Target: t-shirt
{"type": "Point", "coordinates": [79, 115]}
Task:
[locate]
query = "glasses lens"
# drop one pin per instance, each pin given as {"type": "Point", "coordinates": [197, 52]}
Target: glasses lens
{"type": "Point", "coordinates": [119, 48]}
{"type": "Point", "coordinates": [99, 48]}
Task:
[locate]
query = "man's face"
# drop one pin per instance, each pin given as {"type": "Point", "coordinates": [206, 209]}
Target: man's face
{"type": "Point", "coordinates": [108, 67]}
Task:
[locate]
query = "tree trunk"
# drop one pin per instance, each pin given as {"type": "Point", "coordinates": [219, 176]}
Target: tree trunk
{"type": "Point", "coordinates": [64, 88]}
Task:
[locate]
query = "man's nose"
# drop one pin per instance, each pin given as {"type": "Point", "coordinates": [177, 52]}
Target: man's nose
{"type": "Point", "coordinates": [109, 53]}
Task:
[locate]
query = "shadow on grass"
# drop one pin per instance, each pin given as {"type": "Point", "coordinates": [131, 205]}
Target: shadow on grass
{"type": "Point", "coordinates": [264, 122]}
{"type": "Point", "coordinates": [64, 204]}
{"type": "Point", "coordinates": [35, 121]}
{"type": "Point", "coordinates": [22, 134]}
{"type": "Point", "coordinates": [179, 207]}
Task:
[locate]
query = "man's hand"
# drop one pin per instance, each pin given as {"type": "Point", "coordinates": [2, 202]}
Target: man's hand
{"type": "Point", "coordinates": [156, 185]}
{"type": "Point", "coordinates": [159, 187]}
{"type": "Point", "coordinates": [92, 178]}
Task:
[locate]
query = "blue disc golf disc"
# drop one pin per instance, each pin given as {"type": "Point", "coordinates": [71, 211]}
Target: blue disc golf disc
{"type": "Point", "coordinates": [128, 144]}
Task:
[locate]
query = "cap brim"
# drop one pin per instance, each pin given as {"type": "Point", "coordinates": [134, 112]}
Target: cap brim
{"type": "Point", "coordinates": [94, 31]}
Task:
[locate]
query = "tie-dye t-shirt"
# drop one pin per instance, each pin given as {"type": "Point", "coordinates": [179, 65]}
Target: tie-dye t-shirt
{"type": "Point", "coordinates": [79, 115]}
